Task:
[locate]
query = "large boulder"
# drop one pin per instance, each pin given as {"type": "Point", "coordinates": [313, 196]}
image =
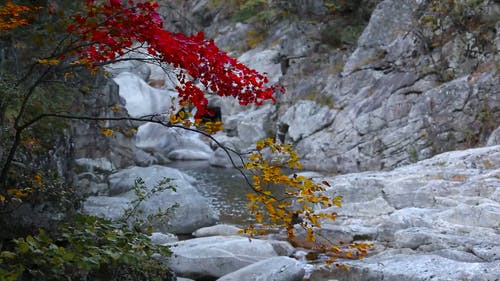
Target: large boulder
{"type": "Point", "coordinates": [272, 269]}
{"type": "Point", "coordinates": [190, 210]}
{"type": "Point", "coordinates": [438, 215]}
{"type": "Point", "coordinates": [217, 256]}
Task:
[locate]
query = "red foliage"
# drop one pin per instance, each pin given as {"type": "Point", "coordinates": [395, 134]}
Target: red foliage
{"type": "Point", "coordinates": [109, 29]}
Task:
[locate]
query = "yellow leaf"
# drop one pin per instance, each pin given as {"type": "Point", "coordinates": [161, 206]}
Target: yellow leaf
{"type": "Point", "coordinates": [258, 217]}
{"type": "Point", "coordinates": [48, 61]}
{"type": "Point", "coordinates": [38, 178]}
{"type": "Point", "coordinates": [107, 132]}
{"type": "Point", "coordinates": [116, 108]}
{"type": "Point", "coordinates": [343, 266]}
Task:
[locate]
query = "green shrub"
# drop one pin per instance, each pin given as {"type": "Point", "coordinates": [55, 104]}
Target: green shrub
{"type": "Point", "coordinates": [90, 248]}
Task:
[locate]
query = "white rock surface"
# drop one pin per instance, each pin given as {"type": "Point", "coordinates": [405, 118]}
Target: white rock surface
{"type": "Point", "coordinates": [412, 267]}
{"type": "Point", "coordinates": [272, 269]}
{"type": "Point", "coordinates": [163, 238]}
{"type": "Point", "coordinates": [438, 219]}
{"type": "Point", "coordinates": [305, 118]}
{"type": "Point", "coordinates": [217, 256]}
{"type": "Point", "coordinates": [217, 230]}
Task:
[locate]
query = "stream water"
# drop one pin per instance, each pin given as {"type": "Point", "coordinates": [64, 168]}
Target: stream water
{"type": "Point", "coordinates": [225, 187]}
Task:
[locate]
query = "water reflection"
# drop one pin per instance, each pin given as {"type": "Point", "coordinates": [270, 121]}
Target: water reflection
{"type": "Point", "coordinates": [225, 188]}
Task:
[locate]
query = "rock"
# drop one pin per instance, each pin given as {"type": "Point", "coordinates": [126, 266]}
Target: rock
{"type": "Point", "coordinates": [105, 206]}
{"type": "Point", "coordinates": [264, 62]}
{"type": "Point", "coordinates": [138, 68]}
{"type": "Point", "coordinates": [217, 256]}
{"type": "Point", "coordinates": [217, 230]}
{"type": "Point", "coordinates": [95, 165]}
{"type": "Point", "coordinates": [494, 138]}
{"type": "Point", "coordinates": [220, 158]}
{"type": "Point", "coordinates": [184, 279]}
{"type": "Point", "coordinates": [142, 99]}
{"type": "Point", "coordinates": [417, 267]}
{"type": "Point", "coordinates": [441, 211]}
{"type": "Point", "coordinates": [253, 125]}
{"type": "Point", "coordinates": [391, 109]}
{"type": "Point", "coordinates": [305, 118]}
{"type": "Point", "coordinates": [282, 248]}
{"type": "Point", "coordinates": [163, 238]}
{"type": "Point", "coordinates": [232, 37]}
{"type": "Point", "coordinates": [174, 143]}
{"type": "Point", "coordinates": [189, 154]}
{"type": "Point", "coordinates": [123, 180]}
{"type": "Point", "coordinates": [105, 152]}
{"type": "Point", "coordinates": [487, 252]}
{"type": "Point", "coordinates": [381, 31]}
{"type": "Point", "coordinates": [92, 183]}
{"type": "Point", "coordinates": [189, 209]}
{"type": "Point", "coordinates": [272, 269]}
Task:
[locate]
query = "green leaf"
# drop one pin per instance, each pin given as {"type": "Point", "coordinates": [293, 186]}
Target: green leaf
{"type": "Point", "coordinates": [7, 255]}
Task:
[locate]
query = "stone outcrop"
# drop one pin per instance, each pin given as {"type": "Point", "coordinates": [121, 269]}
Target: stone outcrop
{"type": "Point", "coordinates": [440, 215]}
{"type": "Point", "coordinates": [399, 94]}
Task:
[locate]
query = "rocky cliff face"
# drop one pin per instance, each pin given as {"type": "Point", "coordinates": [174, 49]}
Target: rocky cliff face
{"type": "Point", "coordinates": [422, 78]}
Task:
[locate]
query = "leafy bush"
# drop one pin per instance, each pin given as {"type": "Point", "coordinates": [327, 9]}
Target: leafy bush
{"type": "Point", "coordinates": [91, 248]}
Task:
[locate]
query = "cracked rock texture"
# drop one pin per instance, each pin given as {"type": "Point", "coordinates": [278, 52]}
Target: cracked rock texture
{"type": "Point", "coordinates": [438, 219]}
{"type": "Point", "coordinates": [400, 93]}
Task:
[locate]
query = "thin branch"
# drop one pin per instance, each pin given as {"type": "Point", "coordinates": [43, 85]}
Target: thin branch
{"type": "Point", "coordinates": [151, 119]}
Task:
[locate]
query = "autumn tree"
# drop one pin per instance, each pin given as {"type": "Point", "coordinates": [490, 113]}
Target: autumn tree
{"type": "Point", "coordinates": [70, 43]}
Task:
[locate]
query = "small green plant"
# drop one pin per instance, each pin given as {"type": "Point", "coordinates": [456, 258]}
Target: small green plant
{"type": "Point", "coordinates": [413, 153]}
{"type": "Point", "coordinates": [91, 248]}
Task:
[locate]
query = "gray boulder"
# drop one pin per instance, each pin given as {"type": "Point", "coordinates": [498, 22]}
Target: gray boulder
{"type": "Point", "coordinates": [217, 230]}
{"type": "Point", "coordinates": [217, 256]}
{"type": "Point", "coordinates": [272, 269]}
{"type": "Point", "coordinates": [173, 143]}
{"type": "Point", "coordinates": [162, 238]}
{"type": "Point", "coordinates": [123, 180]}
{"type": "Point", "coordinates": [190, 210]}
{"type": "Point", "coordinates": [105, 206]}
{"type": "Point", "coordinates": [263, 61]}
